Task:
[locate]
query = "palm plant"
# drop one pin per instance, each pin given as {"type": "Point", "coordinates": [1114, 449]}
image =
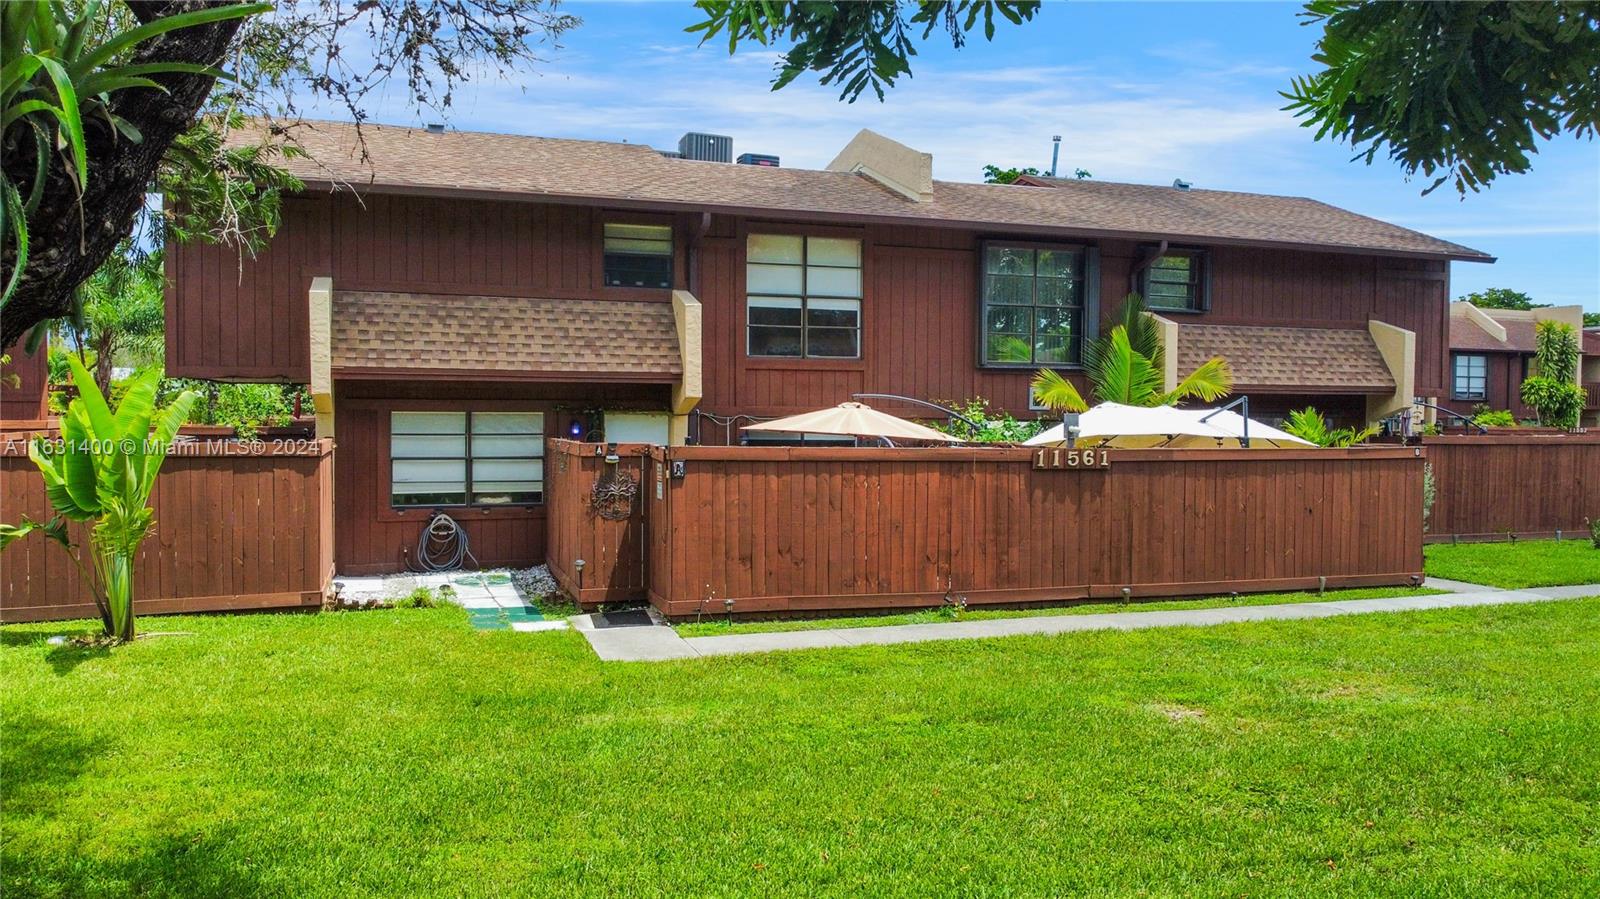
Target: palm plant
{"type": "Point", "coordinates": [1554, 391]}
{"type": "Point", "coordinates": [102, 470]}
{"type": "Point", "coordinates": [1309, 425]}
{"type": "Point", "coordinates": [60, 66]}
{"type": "Point", "coordinates": [120, 313]}
{"type": "Point", "coordinates": [1125, 366]}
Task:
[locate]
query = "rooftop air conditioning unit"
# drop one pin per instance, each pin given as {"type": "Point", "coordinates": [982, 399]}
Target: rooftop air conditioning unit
{"type": "Point", "coordinates": [706, 147]}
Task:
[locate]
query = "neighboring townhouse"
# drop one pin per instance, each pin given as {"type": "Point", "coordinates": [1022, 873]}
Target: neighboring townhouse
{"type": "Point", "coordinates": [1491, 353]}
{"type": "Point", "coordinates": [477, 293]}
{"type": "Point", "coordinates": [1589, 373]}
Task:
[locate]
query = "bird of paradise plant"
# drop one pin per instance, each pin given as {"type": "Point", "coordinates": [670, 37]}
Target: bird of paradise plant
{"type": "Point", "coordinates": [102, 469]}
{"type": "Point", "coordinates": [1125, 366]}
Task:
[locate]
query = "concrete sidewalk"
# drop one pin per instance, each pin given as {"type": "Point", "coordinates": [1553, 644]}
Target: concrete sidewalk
{"type": "Point", "coordinates": [658, 642]}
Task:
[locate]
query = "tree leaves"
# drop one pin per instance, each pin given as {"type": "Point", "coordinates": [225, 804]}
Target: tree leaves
{"type": "Point", "coordinates": [855, 45]}
{"type": "Point", "coordinates": [1458, 92]}
{"type": "Point", "coordinates": [1127, 366]}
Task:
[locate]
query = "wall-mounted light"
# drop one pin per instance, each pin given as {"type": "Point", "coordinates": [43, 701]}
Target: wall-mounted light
{"type": "Point", "coordinates": [576, 429]}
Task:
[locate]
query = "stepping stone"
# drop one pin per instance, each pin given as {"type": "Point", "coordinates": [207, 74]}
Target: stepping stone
{"type": "Point", "coordinates": [531, 626]}
{"type": "Point", "coordinates": [487, 619]}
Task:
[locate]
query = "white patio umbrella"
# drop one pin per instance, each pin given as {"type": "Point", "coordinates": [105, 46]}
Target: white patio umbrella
{"type": "Point", "coordinates": [1261, 435]}
{"type": "Point", "coordinates": [852, 420]}
{"type": "Point", "coordinates": [1133, 427]}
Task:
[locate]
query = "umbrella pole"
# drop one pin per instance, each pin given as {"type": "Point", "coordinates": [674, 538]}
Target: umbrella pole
{"type": "Point", "coordinates": [1244, 441]}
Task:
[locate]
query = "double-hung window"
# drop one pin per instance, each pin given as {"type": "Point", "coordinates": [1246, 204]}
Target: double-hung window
{"type": "Point", "coordinates": [1471, 381]}
{"type": "Point", "coordinates": [803, 296]}
{"type": "Point", "coordinates": [1033, 305]}
{"type": "Point", "coordinates": [638, 255]}
{"type": "Point", "coordinates": [466, 459]}
{"type": "Point", "coordinates": [1177, 281]}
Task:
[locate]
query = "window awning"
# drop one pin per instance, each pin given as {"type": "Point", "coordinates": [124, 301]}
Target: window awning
{"type": "Point", "coordinates": [380, 333]}
{"type": "Point", "coordinates": [1267, 359]}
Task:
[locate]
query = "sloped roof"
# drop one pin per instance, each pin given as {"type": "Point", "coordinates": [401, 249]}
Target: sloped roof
{"type": "Point", "coordinates": [1521, 327]}
{"type": "Point", "coordinates": [1465, 334]}
{"type": "Point", "coordinates": [516, 336]}
{"type": "Point", "coordinates": [1322, 359]}
{"type": "Point", "coordinates": [1591, 341]}
{"type": "Point", "coordinates": [413, 160]}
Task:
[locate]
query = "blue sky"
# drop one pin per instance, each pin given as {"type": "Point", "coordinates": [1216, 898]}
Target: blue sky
{"type": "Point", "coordinates": [1141, 92]}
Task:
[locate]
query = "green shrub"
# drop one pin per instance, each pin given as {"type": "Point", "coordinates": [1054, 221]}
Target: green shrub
{"type": "Point", "coordinates": [1493, 418]}
{"type": "Point", "coordinates": [992, 427]}
{"type": "Point", "coordinates": [245, 407]}
{"type": "Point", "coordinates": [420, 598]}
{"type": "Point", "coordinates": [1554, 391]}
{"type": "Point", "coordinates": [1309, 425]}
{"type": "Point", "coordinates": [1594, 531]}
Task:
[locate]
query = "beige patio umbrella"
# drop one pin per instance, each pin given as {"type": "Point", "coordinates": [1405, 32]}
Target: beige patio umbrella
{"type": "Point", "coordinates": [852, 420]}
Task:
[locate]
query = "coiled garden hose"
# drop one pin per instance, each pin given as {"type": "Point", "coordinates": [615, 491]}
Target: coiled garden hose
{"type": "Point", "coordinates": [443, 544]}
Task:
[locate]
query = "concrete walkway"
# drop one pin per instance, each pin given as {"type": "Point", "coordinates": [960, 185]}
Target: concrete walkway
{"type": "Point", "coordinates": [656, 642]}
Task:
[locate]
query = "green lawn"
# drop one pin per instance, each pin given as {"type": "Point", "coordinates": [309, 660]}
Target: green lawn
{"type": "Point", "coordinates": [711, 628]}
{"type": "Point", "coordinates": [1526, 563]}
{"type": "Point", "coordinates": [400, 753]}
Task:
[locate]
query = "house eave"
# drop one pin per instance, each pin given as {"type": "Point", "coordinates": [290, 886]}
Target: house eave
{"type": "Point", "coordinates": [805, 215]}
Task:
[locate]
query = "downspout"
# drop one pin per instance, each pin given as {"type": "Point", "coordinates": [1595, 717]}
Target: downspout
{"type": "Point", "coordinates": [1144, 263]}
{"type": "Point", "coordinates": [696, 231]}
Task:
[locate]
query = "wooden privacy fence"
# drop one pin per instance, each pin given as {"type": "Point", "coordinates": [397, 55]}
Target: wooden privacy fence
{"type": "Point", "coordinates": [237, 526]}
{"type": "Point", "coordinates": [607, 536]}
{"type": "Point", "coordinates": [764, 530]}
{"type": "Point", "coordinates": [1489, 486]}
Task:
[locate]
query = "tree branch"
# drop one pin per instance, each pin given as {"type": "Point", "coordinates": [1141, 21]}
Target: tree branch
{"type": "Point", "coordinates": [70, 241]}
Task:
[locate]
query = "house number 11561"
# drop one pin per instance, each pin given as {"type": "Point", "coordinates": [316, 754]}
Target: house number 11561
{"type": "Point", "coordinates": [1057, 457]}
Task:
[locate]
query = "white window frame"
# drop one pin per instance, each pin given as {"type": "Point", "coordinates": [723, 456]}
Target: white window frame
{"type": "Point", "coordinates": [1457, 376]}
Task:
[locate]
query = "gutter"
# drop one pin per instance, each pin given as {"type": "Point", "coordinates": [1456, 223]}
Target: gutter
{"type": "Point", "coordinates": [319, 186]}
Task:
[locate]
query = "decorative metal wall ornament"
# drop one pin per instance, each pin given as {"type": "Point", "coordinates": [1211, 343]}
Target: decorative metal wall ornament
{"type": "Point", "coordinates": [613, 494]}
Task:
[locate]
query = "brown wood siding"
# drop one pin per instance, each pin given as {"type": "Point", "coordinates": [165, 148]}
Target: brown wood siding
{"type": "Point", "coordinates": [921, 308]}
{"type": "Point", "coordinates": [374, 538]}
{"type": "Point", "coordinates": [919, 314]}
{"type": "Point", "coordinates": [29, 399]}
{"type": "Point", "coordinates": [234, 530]}
{"type": "Point", "coordinates": [246, 319]}
{"type": "Point", "coordinates": [1502, 388]}
{"type": "Point", "coordinates": [1489, 486]}
{"type": "Point", "coordinates": [789, 530]}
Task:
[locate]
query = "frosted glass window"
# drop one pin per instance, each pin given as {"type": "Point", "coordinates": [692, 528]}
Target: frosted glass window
{"type": "Point", "coordinates": [460, 458]}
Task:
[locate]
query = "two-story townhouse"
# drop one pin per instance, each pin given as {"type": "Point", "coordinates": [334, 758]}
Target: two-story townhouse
{"type": "Point", "coordinates": [1491, 354]}
{"type": "Point", "coordinates": [455, 298]}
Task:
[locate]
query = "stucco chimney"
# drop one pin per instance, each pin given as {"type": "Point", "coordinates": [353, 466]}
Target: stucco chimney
{"type": "Point", "coordinates": [890, 163]}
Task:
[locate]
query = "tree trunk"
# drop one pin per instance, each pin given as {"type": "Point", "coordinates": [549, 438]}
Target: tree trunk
{"type": "Point", "coordinates": [105, 351]}
{"type": "Point", "coordinates": [69, 239]}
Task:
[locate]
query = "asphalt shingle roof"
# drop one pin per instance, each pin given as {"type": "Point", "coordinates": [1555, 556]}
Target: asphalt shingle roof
{"type": "Point", "coordinates": [460, 162]}
{"type": "Point", "coordinates": [1305, 358]}
{"type": "Point", "coordinates": [516, 335]}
